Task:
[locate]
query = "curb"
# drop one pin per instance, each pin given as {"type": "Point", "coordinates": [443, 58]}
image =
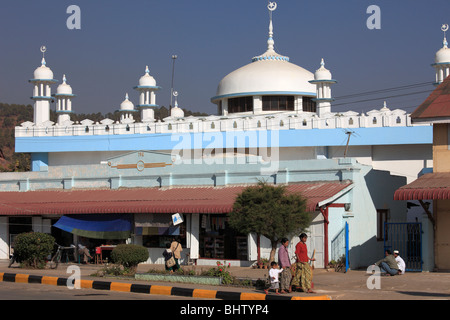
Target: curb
{"type": "Point", "coordinates": [149, 289]}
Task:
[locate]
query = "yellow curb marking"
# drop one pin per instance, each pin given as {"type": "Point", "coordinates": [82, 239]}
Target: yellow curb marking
{"type": "Point", "coordinates": [119, 286]}
{"type": "Point", "coordinates": [201, 293]}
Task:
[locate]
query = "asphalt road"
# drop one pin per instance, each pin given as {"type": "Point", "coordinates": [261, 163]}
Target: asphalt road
{"type": "Point", "coordinates": [24, 291]}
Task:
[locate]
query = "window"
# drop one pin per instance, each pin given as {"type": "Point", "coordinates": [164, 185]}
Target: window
{"type": "Point", "coordinates": [308, 104]}
{"type": "Point", "coordinates": [161, 241]}
{"type": "Point", "coordinates": [243, 104]}
{"type": "Point", "coordinates": [277, 103]}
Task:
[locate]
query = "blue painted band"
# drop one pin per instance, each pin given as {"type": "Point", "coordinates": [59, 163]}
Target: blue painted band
{"type": "Point", "coordinates": [218, 139]}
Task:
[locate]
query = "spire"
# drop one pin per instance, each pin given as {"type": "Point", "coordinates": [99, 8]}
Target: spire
{"type": "Point", "coordinates": [444, 28]}
{"type": "Point", "coordinates": [272, 6]}
{"type": "Point", "coordinates": [43, 49]}
{"type": "Point", "coordinates": [270, 54]}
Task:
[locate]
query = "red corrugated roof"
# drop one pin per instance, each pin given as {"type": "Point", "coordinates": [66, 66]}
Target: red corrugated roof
{"type": "Point", "coordinates": [148, 200]}
{"type": "Point", "coordinates": [430, 186]}
{"type": "Point", "coordinates": [437, 105]}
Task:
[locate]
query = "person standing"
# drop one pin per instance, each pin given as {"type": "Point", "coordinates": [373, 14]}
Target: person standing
{"type": "Point", "coordinates": [176, 249]}
{"type": "Point", "coordinates": [285, 264]}
{"type": "Point", "coordinates": [273, 275]}
{"type": "Point", "coordinates": [303, 271]}
{"type": "Point", "coordinates": [400, 262]}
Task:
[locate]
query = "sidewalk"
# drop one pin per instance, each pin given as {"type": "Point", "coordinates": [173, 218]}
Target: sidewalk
{"type": "Point", "coordinates": [327, 284]}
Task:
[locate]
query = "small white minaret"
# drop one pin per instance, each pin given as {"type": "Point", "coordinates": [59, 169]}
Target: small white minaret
{"type": "Point", "coordinates": [442, 59]}
{"type": "Point", "coordinates": [64, 98]}
{"type": "Point", "coordinates": [176, 112]}
{"type": "Point", "coordinates": [42, 94]}
{"type": "Point", "coordinates": [147, 99]}
{"type": "Point", "coordinates": [323, 82]}
{"type": "Point", "coordinates": [126, 111]}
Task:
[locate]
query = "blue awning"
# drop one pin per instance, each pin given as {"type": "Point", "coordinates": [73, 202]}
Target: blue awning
{"type": "Point", "coordinates": [97, 226]}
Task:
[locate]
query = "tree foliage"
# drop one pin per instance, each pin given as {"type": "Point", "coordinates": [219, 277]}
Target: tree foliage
{"type": "Point", "coordinates": [269, 211]}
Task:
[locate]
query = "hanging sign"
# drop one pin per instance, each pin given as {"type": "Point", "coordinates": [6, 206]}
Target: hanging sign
{"type": "Point", "coordinates": [177, 219]}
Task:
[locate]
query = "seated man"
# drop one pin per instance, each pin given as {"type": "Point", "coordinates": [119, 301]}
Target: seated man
{"type": "Point", "coordinates": [82, 250]}
{"type": "Point", "coordinates": [388, 265]}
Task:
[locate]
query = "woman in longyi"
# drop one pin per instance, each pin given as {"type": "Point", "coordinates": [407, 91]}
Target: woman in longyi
{"type": "Point", "coordinates": [303, 272]}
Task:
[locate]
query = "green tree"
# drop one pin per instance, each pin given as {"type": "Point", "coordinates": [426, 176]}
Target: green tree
{"type": "Point", "coordinates": [269, 211]}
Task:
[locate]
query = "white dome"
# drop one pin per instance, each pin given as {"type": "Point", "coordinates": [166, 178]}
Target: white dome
{"type": "Point", "coordinates": [64, 88]}
{"type": "Point", "coordinates": [147, 80]}
{"type": "Point", "coordinates": [176, 112]}
{"type": "Point", "coordinates": [43, 72]}
{"type": "Point", "coordinates": [443, 55]}
{"type": "Point", "coordinates": [127, 105]}
{"type": "Point", "coordinates": [267, 76]}
{"type": "Point", "coordinates": [322, 73]}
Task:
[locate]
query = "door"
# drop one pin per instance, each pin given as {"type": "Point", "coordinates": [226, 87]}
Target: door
{"type": "Point", "coordinates": [407, 239]}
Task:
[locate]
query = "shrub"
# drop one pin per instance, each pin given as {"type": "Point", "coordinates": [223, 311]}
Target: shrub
{"type": "Point", "coordinates": [220, 271]}
{"type": "Point", "coordinates": [32, 248]}
{"type": "Point", "coordinates": [129, 255]}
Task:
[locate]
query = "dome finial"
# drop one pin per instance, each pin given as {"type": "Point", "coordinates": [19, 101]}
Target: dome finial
{"type": "Point", "coordinates": [147, 70]}
{"type": "Point", "coordinates": [272, 6]}
{"type": "Point", "coordinates": [444, 28]}
{"type": "Point", "coordinates": [43, 49]}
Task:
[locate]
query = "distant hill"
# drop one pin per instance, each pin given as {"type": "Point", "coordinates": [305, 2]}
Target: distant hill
{"type": "Point", "coordinates": [12, 115]}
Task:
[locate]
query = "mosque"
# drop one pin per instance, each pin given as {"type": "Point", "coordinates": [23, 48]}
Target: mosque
{"type": "Point", "coordinates": [123, 180]}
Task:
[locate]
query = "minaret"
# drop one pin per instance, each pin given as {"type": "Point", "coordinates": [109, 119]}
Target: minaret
{"type": "Point", "coordinates": [64, 98]}
{"type": "Point", "coordinates": [126, 111]}
{"type": "Point", "coordinates": [42, 95]}
{"type": "Point", "coordinates": [176, 112]}
{"type": "Point", "coordinates": [147, 99]}
{"type": "Point", "coordinates": [323, 82]}
{"type": "Point", "coordinates": [442, 59]}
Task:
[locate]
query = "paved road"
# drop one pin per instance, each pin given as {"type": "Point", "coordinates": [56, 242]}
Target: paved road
{"type": "Point", "coordinates": [24, 291]}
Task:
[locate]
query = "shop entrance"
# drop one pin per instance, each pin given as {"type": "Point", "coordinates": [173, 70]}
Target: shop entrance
{"type": "Point", "coordinates": [219, 241]}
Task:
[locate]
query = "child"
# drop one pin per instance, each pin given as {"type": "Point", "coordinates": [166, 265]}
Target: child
{"type": "Point", "coordinates": [273, 275]}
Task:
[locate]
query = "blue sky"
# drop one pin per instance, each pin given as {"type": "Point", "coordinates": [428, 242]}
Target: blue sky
{"type": "Point", "coordinates": [105, 59]}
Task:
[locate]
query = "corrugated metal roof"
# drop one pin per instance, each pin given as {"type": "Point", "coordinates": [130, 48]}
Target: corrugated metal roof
{"type": "Point", "coordinates": [430, 186]}
{"type": "Point", "coordinates": [437, 105]}
{"type": "Point", "coordinates": [148, 200]}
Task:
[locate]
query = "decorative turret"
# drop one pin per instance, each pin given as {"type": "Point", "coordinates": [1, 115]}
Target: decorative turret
{"type": "Point", "coordinates": [64, 98]}
{"type": "Point", "coordinates": [176, 112]}
{"type": "Point", "coordinates": [42, 95]}
{"type": "Point", "coordinates": [323, 82]}
{"type": "Point", "coordinates": [147, 99]}
{"type": "Point", "coordinates": [442, 59]}
{"type": "Point", "coordinates": [127, 110]}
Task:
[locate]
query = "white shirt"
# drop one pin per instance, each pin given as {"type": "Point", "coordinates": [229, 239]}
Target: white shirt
{"type": "Point", "coordinates": [401, 264]}
{"type": "Point", "coordinates": [273, 274]}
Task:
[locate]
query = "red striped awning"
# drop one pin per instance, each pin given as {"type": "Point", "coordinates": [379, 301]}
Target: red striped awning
{"type": "Point", "coordinates": [430, 186]}
{"type": "Point", "coordinates": [149, 200]}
